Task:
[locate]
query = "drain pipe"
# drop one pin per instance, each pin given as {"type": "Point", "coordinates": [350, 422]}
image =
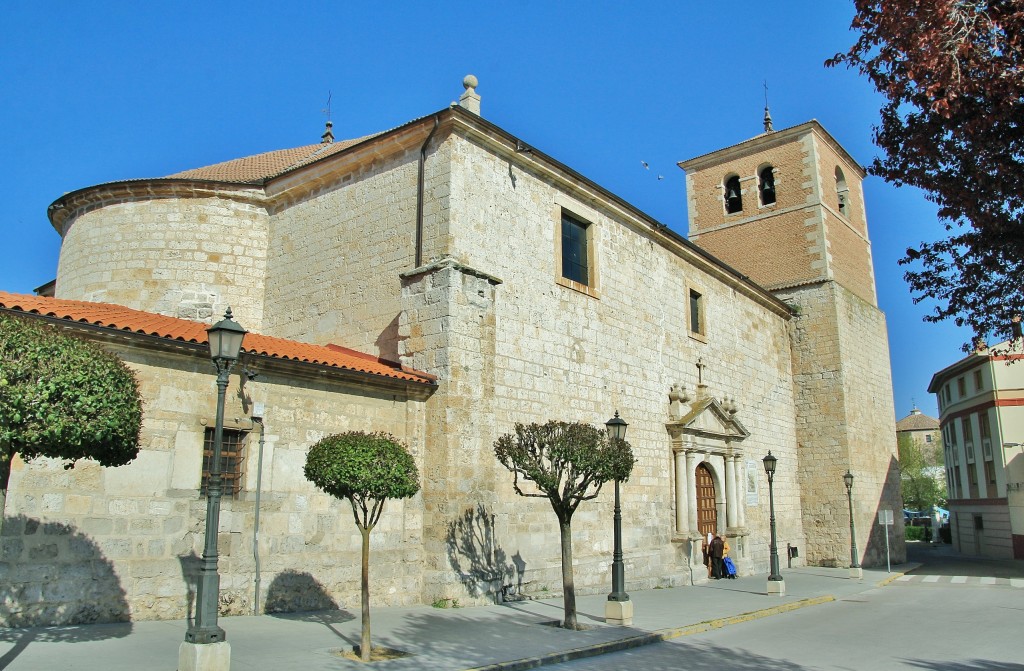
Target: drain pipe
{"type": "Point", "coordinates": [258, 410]}
{"type": "Point", "coordinates": [419, 194]}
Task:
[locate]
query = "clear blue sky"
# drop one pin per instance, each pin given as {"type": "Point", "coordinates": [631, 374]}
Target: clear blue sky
{"type": "Point", "coordinates": [97, 92]}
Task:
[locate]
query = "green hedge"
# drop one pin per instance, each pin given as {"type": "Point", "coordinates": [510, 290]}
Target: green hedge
{"type": "Point", "coordinates": [915, 533]}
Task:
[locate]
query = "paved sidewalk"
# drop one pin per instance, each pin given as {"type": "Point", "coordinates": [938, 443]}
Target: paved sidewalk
{"type": "Point", "coordinates": [508, 637]}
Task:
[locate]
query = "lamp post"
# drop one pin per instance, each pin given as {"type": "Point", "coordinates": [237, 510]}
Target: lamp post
{"type": "Point", "coordinates": [776, 585]}
{"type": "Point", "coordinates": [618, 609]}
{"type": "Point", "coordinates": [855, 570]}
{"type": "Point", "coordinates": [225, 339]}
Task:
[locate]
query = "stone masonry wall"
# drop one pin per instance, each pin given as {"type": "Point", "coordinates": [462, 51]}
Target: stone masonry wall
{"type": "Point", "coordinates": [184, 257]}
{"type": "Point", "coordinates": [871, 424]}
{"type": "Point", "coordinates": [96, 544]}
{"type": "Point", "coordinates": [563, 354]}
{"type": "Point", "coordinates": [337, 254]}
{"type": "Point", "coordinates": [448, 328]}
{"type": "Point", "coordinates": [844, 414]}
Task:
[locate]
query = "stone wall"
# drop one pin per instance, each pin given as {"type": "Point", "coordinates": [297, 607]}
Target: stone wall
{"type": "Point", "coordinates": [98, 544]}
{"type": "Point", "coordinates": [566, 354]}
{"type": "Point", "coordinates": [845, 416]}
{"type": "Point", "coordinates": [182, 255]}
{"type": "Point", "coordinates": [336, 254]}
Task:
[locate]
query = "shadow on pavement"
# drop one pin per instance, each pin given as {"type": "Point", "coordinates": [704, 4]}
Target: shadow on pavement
{"type": "Point", "coordinates": [969, 665]}
{"type": "Point", "coordinates": [672, 656]}
{"type": "Point", "coordinates": [944, 560]}
{"type": "Point", "coordinates": [52, 572]}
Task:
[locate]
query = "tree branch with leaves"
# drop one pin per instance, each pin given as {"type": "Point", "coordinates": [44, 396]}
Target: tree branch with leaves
{"type": "Point", "coordinates": [367, 469]}
{"type": "Point", "coordinates": [952, 72]}
{"type": "Point", "coordinates": [567, 463]}
{"type": "Point", "coordinates": [64, 398]}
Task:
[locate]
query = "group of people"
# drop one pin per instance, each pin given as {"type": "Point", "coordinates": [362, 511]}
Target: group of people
{"type": "Point", "coordinates": [716, 557]}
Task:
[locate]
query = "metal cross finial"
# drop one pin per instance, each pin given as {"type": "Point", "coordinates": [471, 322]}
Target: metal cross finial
{"type": "Point", "coordinates": [767, 115]}
{"type": "Point", "coordinates": [327, 110]}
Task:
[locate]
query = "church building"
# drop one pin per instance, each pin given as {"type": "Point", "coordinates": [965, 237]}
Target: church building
{"type": "Point", "coordinates": [443, 281]}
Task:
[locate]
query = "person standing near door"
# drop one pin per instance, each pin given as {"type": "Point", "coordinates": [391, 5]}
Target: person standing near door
{"type": "Point", "coordinates": [717, 552]}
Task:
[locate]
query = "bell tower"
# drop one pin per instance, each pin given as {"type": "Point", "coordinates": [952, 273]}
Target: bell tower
{"type": "Point", "coordinates": [786, 208]}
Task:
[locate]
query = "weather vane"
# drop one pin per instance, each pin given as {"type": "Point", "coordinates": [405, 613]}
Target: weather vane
{"type": "Point", "coordinates": [327, 110]}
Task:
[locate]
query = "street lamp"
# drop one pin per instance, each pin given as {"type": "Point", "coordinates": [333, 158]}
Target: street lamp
{"type": "Point", "coordinates": [225, 343]}
{"type": "Point", "coordinates": [776, 585]}
{"type": "Point", "coordinates": [618, 609]}
{"type": "Point", "coordinates": [855, 570]}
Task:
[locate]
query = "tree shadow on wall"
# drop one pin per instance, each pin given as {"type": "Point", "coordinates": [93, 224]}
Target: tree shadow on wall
{"type": "Point", "coordinates": [55, 575]}
{"type": "Point", "coordinates": [482, 565]}
{"type": "Point", "coordinates": [300, 597]}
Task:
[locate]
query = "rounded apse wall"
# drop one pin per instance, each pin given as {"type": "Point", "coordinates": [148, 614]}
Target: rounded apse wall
{"type": "Point", "coordinates": [188, 257]}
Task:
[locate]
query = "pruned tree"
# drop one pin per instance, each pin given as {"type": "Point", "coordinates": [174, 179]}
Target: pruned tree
{"type": "Point", "coordinates": [920, 469]}
{"type": "Point", "coordinates": [952, 73]}
{"type": "Point", "coordinates": [567, 463]}
{"type": "Point", "coordinates": [63, 397]}
{"type": "Point", "coordinates": [367, 469]}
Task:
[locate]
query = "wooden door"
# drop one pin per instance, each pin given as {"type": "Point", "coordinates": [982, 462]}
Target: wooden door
{"type": "Point", "coordinates": [707, 511]}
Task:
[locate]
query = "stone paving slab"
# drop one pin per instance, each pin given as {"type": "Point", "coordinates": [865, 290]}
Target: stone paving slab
{"type": "Point", "coordinates": [508, 637]}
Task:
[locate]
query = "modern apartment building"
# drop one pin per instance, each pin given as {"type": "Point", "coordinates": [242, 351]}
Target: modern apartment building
{"type": "Point", "coordinates": [981, 408]}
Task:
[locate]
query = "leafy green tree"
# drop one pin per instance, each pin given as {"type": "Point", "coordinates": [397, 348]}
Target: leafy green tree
{"type": "Point", "coordinates": [919, 465]}
{"type": "Point", "coordinates": [367, 469]}
{"type": "Point", "coordinates": [567, 464]}
{"type": "Point", "coordinates": [952, 73]}
{"type": "Point", "coordinates": [64, 398]}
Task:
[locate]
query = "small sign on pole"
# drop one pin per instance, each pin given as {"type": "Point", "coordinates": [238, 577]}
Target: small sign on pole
{"type": "Point", "coordinates": [885, 519]}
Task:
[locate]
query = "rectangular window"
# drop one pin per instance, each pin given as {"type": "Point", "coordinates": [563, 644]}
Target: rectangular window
{"type": "Point", "coordinates": [945, 393]}
{"type": "Point", "coordinates": [231, 461]}
{"type": "Point", "coordinates": [990, 472]}
{"type": "Point", "coordinates": [961, 387]}
{"type": "Point", "coordinates": [927, 437]}
{"type": "Point", "coordinates": [968, 437]}
{"type": "Point", "coordinates": [984, 426]}
{"type": "Point", "coordinates": [696, 312]}
{"type": "Point", "coordinates": [575, 257]}
{"type": "Point", "coordinates": [977, 380]}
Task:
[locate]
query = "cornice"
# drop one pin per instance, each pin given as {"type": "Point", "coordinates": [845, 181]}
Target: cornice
{"type": "Point", "coordinates": [76, 203]}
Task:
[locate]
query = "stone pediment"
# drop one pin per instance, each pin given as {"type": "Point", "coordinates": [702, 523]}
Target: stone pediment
{"type": "Point", "coordinates": [708, 418]}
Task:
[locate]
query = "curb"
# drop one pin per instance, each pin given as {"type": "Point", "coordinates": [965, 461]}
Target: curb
{"type": "Point", "coordinates": [897, 576]}
{"type": "Point", "coordinates": [646, 639]}
{"type": "Point", "coordinates": [701, 627]}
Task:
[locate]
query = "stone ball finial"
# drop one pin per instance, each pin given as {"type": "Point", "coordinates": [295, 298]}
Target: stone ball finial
{"type": "Point", "coordinates": [469, 82]}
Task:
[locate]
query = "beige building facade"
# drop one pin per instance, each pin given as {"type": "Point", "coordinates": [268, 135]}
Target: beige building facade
{"type": "Point", "coordinates": [524, 292]}
{"type": "Point", "coordinates": [981, 411]}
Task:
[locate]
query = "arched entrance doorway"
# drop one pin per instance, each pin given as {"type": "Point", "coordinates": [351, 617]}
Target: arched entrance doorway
{"type": "Point", "coordinates": [707, 511]}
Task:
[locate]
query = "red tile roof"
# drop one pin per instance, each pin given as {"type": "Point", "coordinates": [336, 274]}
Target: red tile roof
{"type": "Point", "coordinates": [125, 319]}
{"type": "Point", "coordinates": [917, 421]}
{"type": "Point", "coordinates": [261, 167]}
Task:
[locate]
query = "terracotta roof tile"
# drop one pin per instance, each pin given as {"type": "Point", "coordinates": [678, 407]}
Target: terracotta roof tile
{"type": "Point", "coordinates": [917, 421]}
{"type": "Point", "coordinates": [261, 167]}
{"type": "Point", "coordinates": [125, 319]}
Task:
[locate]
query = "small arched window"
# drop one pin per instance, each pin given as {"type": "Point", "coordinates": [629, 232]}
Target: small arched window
{"type": "Point", "coordinates": [766, 185]}
{"type": "Point", "coordinates": [733, 196]}
{"type": "Point", "coordinates": [842, 193]}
